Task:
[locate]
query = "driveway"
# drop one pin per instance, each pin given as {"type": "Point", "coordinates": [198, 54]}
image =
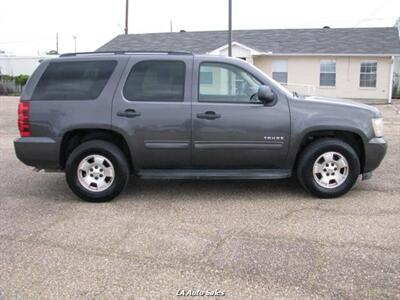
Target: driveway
{"type": "Point", "coordinates": [246, 239]}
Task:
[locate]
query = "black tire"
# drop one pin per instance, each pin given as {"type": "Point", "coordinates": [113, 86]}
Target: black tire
{"type": "Point", "coordinates": [109, 151]}
{"type": "Point", "coordinates": [312, 152]}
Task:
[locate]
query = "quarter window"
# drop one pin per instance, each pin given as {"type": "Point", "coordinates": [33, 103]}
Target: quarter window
{"type": "Point", "coordinates": [279, 71]}
{"type": "Point", "coordinates": [75, 80]}
{"type": "Point", "coordinates": [368, 74]}
{"type": "Point", "coordinates": [156, 81]}
{"type": "Point", "coordinates": [220, 82]}
{"type": "Point", "coordinates": [327, 75]}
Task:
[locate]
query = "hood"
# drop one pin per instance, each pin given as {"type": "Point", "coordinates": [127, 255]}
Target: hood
{"type": "Point", "coordinates": [345, 102]}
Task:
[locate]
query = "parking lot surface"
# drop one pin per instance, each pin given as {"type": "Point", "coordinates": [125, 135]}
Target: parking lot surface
{"type": "Point", "coordinates": [248, 239]}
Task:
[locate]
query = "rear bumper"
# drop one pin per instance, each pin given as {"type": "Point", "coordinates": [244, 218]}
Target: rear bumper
{"type": "Point", "coordinates": [39, 152]}
{"type": "Point", "coordinates": [375, 151]}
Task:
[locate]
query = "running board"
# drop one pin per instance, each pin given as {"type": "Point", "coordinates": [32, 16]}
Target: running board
{"type": "Point", "coordinates": [215, 174]}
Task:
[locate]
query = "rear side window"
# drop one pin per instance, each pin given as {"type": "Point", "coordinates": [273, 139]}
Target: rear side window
{"type": "Point", "coordinates": [156, 81]}
{"type": "Point", "coordinates": [77, 80]}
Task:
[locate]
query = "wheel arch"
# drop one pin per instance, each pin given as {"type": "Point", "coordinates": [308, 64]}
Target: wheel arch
{"type": "Point", "coordinates": [75, 137]}
{"type": "Point", "coordinates": [354, 139]}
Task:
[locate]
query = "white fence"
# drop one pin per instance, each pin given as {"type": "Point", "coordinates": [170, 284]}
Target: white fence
{"type": "Point", "coordinates": [303, 89]}
{"type": "Point", "coordinates": [9, 87]}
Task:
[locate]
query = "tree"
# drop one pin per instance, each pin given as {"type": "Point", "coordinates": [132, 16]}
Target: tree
{"type": "Point", "coordinates": [21, 79]}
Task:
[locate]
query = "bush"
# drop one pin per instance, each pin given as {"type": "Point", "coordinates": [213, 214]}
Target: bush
{"type": "Point", "coordinates": [396, 91]}
{"type": "Point", "coordinates": [6, 77]}
{"type": "Point", "coordinates": [2, 90]}
{"type": "Point", "coordinates": [12, 85]}
{"type": "Point", "coordinates": [21, 79]}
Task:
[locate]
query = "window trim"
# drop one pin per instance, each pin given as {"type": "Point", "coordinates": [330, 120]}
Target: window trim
{"type": "Point", "coordinates": [229, 102]}
{"type": "Point", "coordinates": [327, 86]}
{"type": "Point", "coordinates": [376, 75]}
{"type": "Point", "coordinates": [156, 60]}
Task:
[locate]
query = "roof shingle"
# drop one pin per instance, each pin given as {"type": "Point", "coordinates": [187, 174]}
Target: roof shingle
{"type": "Point", "coordinates": [383, 40]}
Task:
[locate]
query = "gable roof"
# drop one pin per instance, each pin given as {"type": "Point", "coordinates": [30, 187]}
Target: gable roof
{"type": "Point", "coordinates": [382, 40]}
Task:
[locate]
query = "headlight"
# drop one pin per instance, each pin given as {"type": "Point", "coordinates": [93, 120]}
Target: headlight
{"type": "Point", "coordinates": [377, 125]}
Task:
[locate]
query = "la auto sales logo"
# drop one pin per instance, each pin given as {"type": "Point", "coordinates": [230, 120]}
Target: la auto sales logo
{"type": "Point", "coordinates": [199, 293]}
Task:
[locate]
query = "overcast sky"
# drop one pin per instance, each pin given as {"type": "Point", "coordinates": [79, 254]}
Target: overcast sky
{"type": "Point", "coordinates": [29, 27]}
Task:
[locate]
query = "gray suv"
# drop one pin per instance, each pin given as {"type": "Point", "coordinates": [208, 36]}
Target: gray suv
{"type": "Point", "coordinates": [172, 115]}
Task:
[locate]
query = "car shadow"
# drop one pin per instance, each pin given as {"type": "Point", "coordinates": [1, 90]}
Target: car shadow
{"type": "Point", "coordinates": [213, 189]}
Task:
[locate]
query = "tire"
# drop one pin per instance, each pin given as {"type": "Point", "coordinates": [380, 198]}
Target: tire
{"type": "Point", "coordinates": [103, 171]}
{"type": "Point", "coordinates": [323, 179]}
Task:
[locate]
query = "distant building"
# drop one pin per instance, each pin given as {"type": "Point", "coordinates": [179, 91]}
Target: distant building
{"type": "Point", "coordinates": [17, 65]}
{"type": "Point", "coordinates": [341, 62]}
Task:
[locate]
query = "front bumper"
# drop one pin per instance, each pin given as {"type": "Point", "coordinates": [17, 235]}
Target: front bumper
{"type": "Point", "coordinates": [39, 152]}
{"type": "Point", "coordinates": [375, 151]}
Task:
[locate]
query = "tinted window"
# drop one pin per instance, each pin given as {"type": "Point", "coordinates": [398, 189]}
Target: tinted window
{"type": "Point", "coordinates": [78, 80]}
{"type": "Point", "coordinates": [221, 82]}
{"type": "Point", "coordinates": [156, 81]}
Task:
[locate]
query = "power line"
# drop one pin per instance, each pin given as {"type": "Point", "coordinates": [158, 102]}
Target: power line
{"type": "Point", "coordinates": [352, 20]}
{"type": "Point", "coordinates": [373, 12]}
{"type": "Point", "coordinates": [28, 41]}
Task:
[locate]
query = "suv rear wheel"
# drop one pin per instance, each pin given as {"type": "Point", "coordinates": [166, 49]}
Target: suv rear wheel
{"type": "Point", "coordinates": [328, 168]}
{"type": "Point", "coordinates": [97, 171]}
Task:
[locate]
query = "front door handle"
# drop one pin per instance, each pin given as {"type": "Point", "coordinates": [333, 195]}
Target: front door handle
{"type": "Point", "coordinates": [129, 113]}
{"type": "Point", "coordinates": [208, 115]}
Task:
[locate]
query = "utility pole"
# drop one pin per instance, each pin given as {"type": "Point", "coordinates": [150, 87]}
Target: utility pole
{"type": "Point", "coordinates": [230, 29]}
{"type": "Point", "coordinates": [126, 16]}
{"type": "Point", "coordinates": [170, 26]}
{"type": "Point", "coordinates": [75, 37]}
{"type": "Point", "coordinates": [57, 42]}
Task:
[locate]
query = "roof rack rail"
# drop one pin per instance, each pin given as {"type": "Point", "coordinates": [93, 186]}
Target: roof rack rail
{"type": "Point", "coordinates": [178, 52]}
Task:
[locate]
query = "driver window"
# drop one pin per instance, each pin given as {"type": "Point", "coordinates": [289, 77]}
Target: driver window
{"type": "Point", "coordinates": [221, 82]}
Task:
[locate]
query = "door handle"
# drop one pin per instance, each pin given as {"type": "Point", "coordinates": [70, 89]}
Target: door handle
{"type": "Point", "coordinates": [129, 113]}
{"type": "Point", "coordinates": [208, 115]}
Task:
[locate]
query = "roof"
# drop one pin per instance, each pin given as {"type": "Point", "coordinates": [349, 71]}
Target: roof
{"type": "Point", "coordinates": [382, 40]}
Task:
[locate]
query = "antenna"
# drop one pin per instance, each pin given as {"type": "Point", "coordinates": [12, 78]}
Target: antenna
{"type": "Point", "coordinates": [75, 37]}
{"type": "Point", "coordinates": [57, 42]}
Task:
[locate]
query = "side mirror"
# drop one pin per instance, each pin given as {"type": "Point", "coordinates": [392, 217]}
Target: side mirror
{"type": "Point", "coordinates": [265, 94]}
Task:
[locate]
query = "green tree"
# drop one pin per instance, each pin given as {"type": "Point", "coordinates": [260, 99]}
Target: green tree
{"type": "Point", "coordinates": [21, 79]}
{"type": "Point", "coordinates": [6, 77]}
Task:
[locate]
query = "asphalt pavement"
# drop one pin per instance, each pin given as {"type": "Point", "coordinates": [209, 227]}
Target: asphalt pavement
{"type": "Point", "coordinates": [242, 239]}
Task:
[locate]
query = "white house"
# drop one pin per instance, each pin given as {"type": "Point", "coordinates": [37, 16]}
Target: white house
{"type": "Point", "coordinates": [352, 63]}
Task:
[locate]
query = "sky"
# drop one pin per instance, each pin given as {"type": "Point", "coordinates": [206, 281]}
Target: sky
{"type": "Point", "coordinates": [29, 27]}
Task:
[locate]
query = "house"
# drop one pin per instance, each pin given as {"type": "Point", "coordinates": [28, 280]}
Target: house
{"type": "Point", "coordinates": [352, 63]}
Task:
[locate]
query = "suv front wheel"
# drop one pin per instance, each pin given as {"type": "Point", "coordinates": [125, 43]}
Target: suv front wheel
{"type": "Point", "coordinates": [328, 168]}
{"type": "Point", "coordinates": [97, 171]}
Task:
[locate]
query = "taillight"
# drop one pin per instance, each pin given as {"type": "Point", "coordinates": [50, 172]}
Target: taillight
{"type": "Point", "coordinates": [23, 119]}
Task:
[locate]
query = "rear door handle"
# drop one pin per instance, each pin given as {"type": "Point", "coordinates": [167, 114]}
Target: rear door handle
{"type": "Point", "coordinates": [129, 113]}
{"type": "Point", "coordinates": [208, 115]}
